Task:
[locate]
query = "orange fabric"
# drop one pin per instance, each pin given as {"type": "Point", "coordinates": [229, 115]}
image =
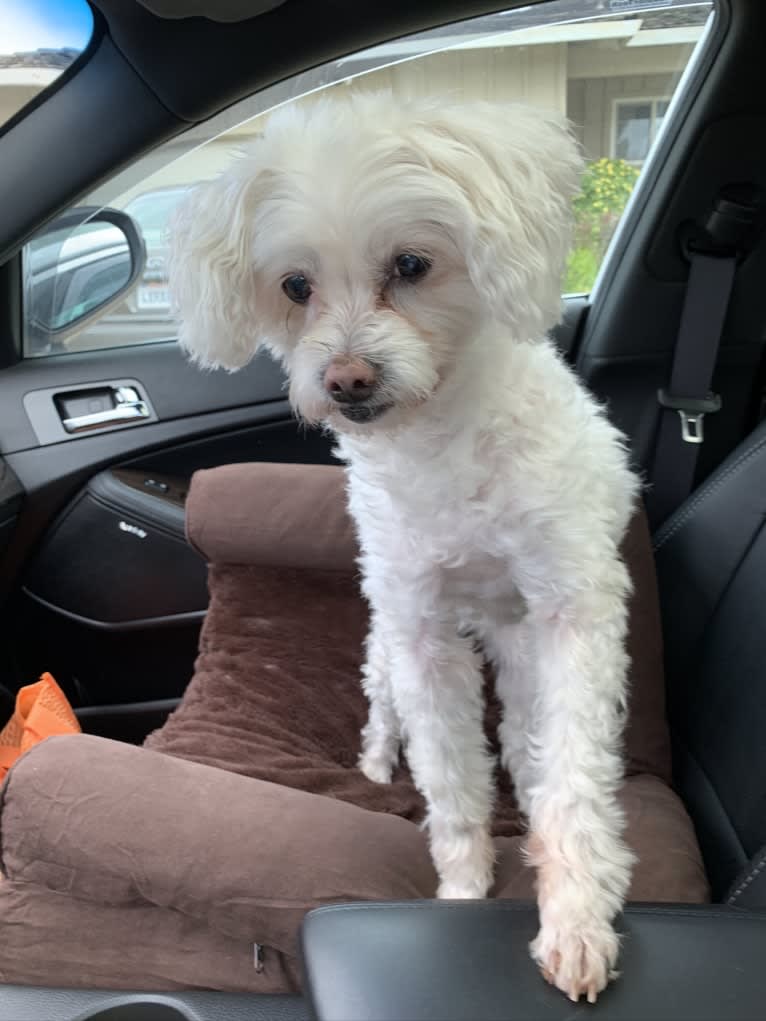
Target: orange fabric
{"type": "Point", "coordinates": [42, 710]}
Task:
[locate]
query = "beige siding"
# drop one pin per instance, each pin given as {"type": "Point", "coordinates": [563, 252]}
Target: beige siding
{"type": "Point", "coordinates": [13, 98]}
{"type": "Point", "coordinates": [609, 58]}
{"type": "Point", "coordinates": [590, 105]}
{"type": "Point", "coordinates": [581, 79]}
{"type": "Point", "coordinates": [20, 85]}
{"type": "Point", "coordinates": [532, 74]}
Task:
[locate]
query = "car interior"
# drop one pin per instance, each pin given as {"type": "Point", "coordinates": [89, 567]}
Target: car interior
{"type": "Point", "coordinates": [104, 423]}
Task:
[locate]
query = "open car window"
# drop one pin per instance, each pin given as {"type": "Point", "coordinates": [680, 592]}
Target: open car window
{"type": "Point", "coordinates": [615, 70]}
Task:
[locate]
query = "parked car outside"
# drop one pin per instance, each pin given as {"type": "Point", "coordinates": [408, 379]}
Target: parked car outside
{"type": "Point", "coordinates": [152, 211]}
{"type": "Point", "coordinates": [144, 316]}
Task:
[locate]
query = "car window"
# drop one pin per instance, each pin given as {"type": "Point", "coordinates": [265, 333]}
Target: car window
{"type": "Point", "coordinates": [613, 68]}
{"type": "Point", "coordinates": [39, 39]}
{"type": "Point", "coordinates": [151, 211]}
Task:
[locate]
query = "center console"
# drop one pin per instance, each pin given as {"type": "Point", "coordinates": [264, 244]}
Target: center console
{"type": "Point", "coordinates": [469, 961]}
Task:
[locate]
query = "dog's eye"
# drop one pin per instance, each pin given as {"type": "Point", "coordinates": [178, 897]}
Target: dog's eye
{"type": "Point", "coordinates": [297, 288]}
{"type": "Point", "coordinates": [410, 266]}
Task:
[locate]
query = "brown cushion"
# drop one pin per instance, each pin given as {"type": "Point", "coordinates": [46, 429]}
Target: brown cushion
{"type": "Point", "coordinates": [122, 827]}
{"type": "Point", "coordinates": [294, 516]}
{"type": "Point", "coordinates": [276, 693]}
{"type": "Point", "coordinates": [285, 515]}
{"type": "Point", "coordinates": [127, 947]}
{"type": "Point", "coordinates": [659, 831]}
{"type": "Point", "coordinates": [122, 841]}
{"type": "Point", "coordinates": [123, 846]}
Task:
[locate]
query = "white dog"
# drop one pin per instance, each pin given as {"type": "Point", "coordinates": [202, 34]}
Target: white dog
{"type": "Point", "coordinates": [403, 260]}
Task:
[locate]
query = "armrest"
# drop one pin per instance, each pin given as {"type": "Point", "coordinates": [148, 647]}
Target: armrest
{"type": "Point", "coordinates": [272, 515]}
{"type": "Point", "coordinates": [469, 961]}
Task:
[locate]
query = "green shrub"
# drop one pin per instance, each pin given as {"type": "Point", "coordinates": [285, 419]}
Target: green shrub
{"type": "Point", "coordinates": [606, 188]}
{"type": "Point", "coordinates": [582, 267]}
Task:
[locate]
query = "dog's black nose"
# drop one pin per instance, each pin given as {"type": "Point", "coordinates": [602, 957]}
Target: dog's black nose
{"type": "Point", "coordinates": [349, 380]}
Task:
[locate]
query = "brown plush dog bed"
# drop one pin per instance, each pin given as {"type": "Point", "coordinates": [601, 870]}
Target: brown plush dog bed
{"type": "Point", "coordinates": [174, 872]}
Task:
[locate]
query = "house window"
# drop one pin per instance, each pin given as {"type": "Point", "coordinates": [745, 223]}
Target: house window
{"type": "Point", "coordinates": [636, 124]}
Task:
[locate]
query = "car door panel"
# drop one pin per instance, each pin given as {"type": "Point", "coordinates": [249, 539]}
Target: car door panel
{"type": "Point", "coordinates": [128, 564]}
{"type": "Point", "coordinates": [133, 589]}
{"type": "Point", "coordinates": [111, 595]}
{"type": "Point", "coordinates": [175, 388]}
{"type": "Point", "coordinates": [187, 404]}
{"type": "Point", "coordinates": [100, 666]}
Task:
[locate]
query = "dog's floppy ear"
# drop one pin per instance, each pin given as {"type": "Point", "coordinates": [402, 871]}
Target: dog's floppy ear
{"type": "Point", "coordinates": [518, 169]}
{"type": "Point", "coordinates": [211, 268]}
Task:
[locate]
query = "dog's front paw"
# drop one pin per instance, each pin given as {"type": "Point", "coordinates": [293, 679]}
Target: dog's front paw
{"type": "Point", "coordinates": [377, 766]}
{"type": "Point", "coordinates": [579, 961]}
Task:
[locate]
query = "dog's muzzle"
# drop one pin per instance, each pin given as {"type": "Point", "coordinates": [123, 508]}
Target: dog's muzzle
{"type": "Point", "coordinates": [351, 383]}
{"type": "Point", "coordinates": [362, 413]}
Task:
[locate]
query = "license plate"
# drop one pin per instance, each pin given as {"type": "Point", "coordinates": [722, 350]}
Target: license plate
{"type": "Point", "coordinates": [153, 297]}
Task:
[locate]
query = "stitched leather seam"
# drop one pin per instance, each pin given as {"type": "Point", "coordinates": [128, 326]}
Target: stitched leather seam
{"type": "Point", "coordinates": [721, 818]}
{"type": "Point", "coordinates": [753, 874]}
{"type": "Point", "coordinates": [707, 490]}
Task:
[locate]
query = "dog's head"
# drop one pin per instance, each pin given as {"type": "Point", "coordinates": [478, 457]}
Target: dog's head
{"type": "Point", "coordinates": [368, 243]}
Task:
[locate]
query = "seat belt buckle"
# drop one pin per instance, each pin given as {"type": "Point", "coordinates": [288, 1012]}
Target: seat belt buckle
{"type": "Point", "coordinates": [692, 413]}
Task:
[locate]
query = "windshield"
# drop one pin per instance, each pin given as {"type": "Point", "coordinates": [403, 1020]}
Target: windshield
{"type": "Point", "coordinates": [39, 39]}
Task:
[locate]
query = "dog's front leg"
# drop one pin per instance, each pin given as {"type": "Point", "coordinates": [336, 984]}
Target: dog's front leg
{"type": "Point", "coordinates": [437, 690]}
{"type": "Point", "coordinates": [508, 647]}
{"type": "Point", "coordinates": [381, 735]}
{"type": "Point", "coordinates": [576, 824]}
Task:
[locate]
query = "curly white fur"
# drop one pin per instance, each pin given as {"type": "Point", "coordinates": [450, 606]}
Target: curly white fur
{"type": "Point", "coordinates": [490, 493]}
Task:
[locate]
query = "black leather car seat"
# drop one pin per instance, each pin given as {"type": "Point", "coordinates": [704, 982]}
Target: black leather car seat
{"type": "Point", "coordinates": [711, 566]}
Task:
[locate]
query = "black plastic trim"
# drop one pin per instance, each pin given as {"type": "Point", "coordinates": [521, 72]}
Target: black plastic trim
{"type": "Point", "coordinates": [130, 722]}
{"type": "Point", "coordinates": [153, 511]}
{"type": "Point", "coordinates": [96, 36]}
{"type": "Point", "coordinates": [11, 490]}
{"type": "Point", "coordinates": [244, 57]}
{"type": "Point", "coordinates": [26, 1003]}
{"type": "Point", "coordinates": [141, 624]}
{"type": "Point", "coordinates": [159, 705]}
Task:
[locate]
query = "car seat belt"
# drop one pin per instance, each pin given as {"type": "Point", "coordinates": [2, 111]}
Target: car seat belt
{"type": "Point", "coordinates": [712, 255]}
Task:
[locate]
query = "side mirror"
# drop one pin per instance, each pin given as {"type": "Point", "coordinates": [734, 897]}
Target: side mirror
{"type": "Point", "coordinates": [77, 268]}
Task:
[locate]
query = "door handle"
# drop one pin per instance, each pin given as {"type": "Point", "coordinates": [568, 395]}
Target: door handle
{"type": "Point", "coordinates": [128, 407]}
